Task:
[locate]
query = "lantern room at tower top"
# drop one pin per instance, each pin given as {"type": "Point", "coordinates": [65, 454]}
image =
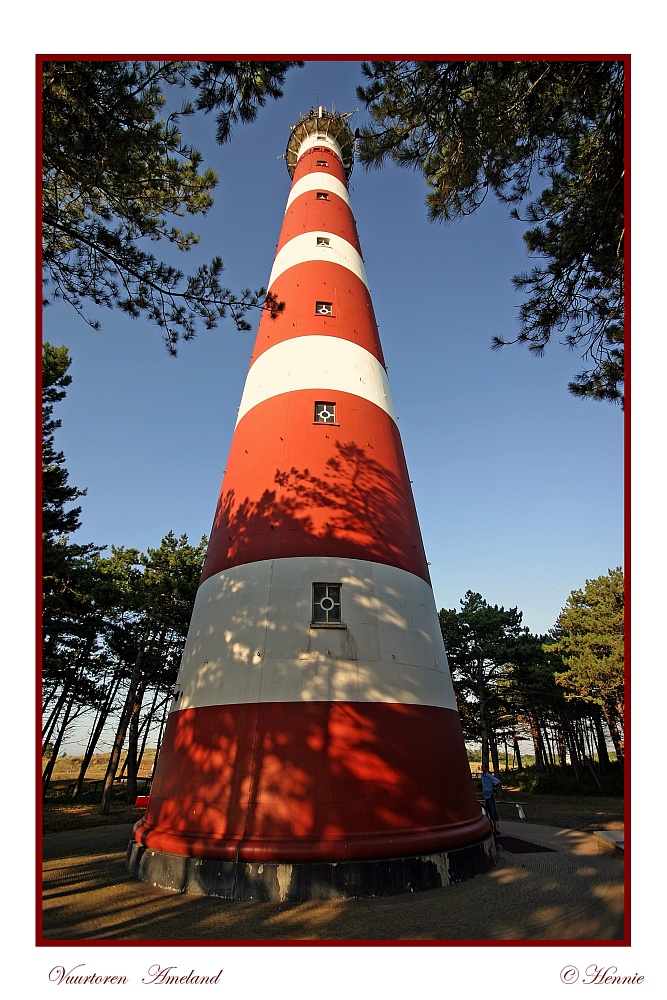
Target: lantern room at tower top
{"type": "Point", "coordinates": [316, 125]}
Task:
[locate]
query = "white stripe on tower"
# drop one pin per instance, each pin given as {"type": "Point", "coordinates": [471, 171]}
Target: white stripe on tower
{"type": "Point", "coordinates": [259, 608]}
{"type": "Point", "coordinates": [335, 365]}
{"type": "Point", "coordinates": [314, 717]}
{"type": "Point", "coordinates": [318, 182]}
{"type": "Point", "coordinates": [311, 246]}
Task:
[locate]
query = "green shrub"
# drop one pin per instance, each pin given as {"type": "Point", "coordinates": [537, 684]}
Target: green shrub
{"type": "Point", "coordinates": [564, 781]}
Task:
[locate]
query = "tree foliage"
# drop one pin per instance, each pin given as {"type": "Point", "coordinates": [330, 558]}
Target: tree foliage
{"type": "Point", "coordinates": [57, 493]}
{"type": "Point", "coordinates": [508, 688]}
{"type": "Point", "coordinates": [62, 560]}
{"type": "Point", "coordinates": [121, 642]}
{"type": "Point", "coordinates": [590, 640]}
{"type": "Point", "coordinates": [156, 611]}
{"type": "Point", "coordinates": [504, 127]}
{"type": "Point", "coordinates": [481, 642]}
{"type": "Point", "coordinates": [117, 177]}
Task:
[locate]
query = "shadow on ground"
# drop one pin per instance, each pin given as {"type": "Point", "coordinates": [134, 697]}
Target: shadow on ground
{"type": "Point", "coordinates": [572, 892]}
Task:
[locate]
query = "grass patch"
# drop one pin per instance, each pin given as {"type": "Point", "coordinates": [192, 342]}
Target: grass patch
{"type": "Point", "coordinates": [559, 799]}
{"type": "Point", "coordinates": [61, 812]}
{"type": "Point", "coordinates": [565, 781]}
{"type": "Point", "coordinates": [574, 812]}
{"type": "Point", "coordinates": [57, 818]}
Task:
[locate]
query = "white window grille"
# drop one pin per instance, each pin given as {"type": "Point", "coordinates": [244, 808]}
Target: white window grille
{"type": "Point", "coordinates": [324, 308]}
{"type": "Point", "coordinates": [326, 604]}
{"type": "Point", "coordinates": [325, 413]}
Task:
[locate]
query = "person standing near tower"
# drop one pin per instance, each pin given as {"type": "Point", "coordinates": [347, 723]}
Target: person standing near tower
{"type": "Point", "coordinates": [489, 783]}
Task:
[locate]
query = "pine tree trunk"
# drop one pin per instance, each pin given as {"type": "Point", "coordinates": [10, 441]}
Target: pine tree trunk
{"type": "Point", "coordinates": [551, 745]}
{"type": "Point", "coordinates": [538, 738]}
{"type": "Point", "coordinates": [494, 755]}
{"type": "Point", "coordinates": [571, 740]}
{"type": "Point", "coordinates": [603, 755]}
{"type": "Point", "coordinates": [483, 725]}
{"type": "Point", "coordinates": [47, 698]}
{"type": "Point", "coordinates": [163, 723]}
{"type": "Point", "coordinates": [571, 745]}
{"type": "Point", "coordinates": [533, 729]}
{"type": "Point", "coordinates": [96, 732]}
{"type": "Point", "coordinates": [146, 728]}
{"type": "Point", "coordinates": [49, 728]}
{"type": "Point", "coordinates": [48, 770]}
{"type": "Point", "coordinates": [119, 739]}
{"type": "Point", "coordinates": [590, 751]}
{"type": "Point", "coordinates": [133, 740]}
{"type": "Point", "coordinates": [615, 734]}
{"type": "Point", "coordinates": [561, 744]}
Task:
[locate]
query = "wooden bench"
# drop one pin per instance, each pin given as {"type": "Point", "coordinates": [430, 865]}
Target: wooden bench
{"type": "Point", "coordinates": [145, 778]}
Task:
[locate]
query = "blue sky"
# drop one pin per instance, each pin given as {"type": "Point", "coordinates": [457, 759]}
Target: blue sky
{"type": "Point", "coordinates": [518, 485]}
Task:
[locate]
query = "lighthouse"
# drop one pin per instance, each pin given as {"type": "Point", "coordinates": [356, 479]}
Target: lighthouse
{"type": "Point", "coordinates": [313, 748]}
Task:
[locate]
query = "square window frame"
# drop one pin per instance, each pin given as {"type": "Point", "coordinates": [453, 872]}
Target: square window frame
{"type": "Point", "coordinates": [327, 624]}
{"type": "Point", "coordinates": [325, 423]}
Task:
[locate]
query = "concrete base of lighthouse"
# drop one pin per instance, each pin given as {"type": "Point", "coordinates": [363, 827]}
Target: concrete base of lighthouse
{"type": "Point", "coordinates": [282, 882]}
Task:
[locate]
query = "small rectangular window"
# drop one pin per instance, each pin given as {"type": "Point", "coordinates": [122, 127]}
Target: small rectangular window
{"type": "Point", "coordinates": [322, 196]}
{"type": "Point", "coordinates": [325, 413]}
{"type": "Point", "coordinates": [322, 163]}
{"type": "Point", "coordinates": [323, 241]}
{"type": "Point", "coordinates": [326, 604]}
{"type": "Point", "coordinates": [324, 308]}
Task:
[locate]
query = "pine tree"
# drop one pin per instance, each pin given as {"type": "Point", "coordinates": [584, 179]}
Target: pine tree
{"type": "Point", "coordinates": [117, 176]}
{"type": "Point", "coordinates": [481, 642]}
{"type": "Point", "coordinates": [63, 561]}
{"type": "Point", "coordinates": [505, 127]}
{"type": "Point", "coordinates": [590, 640]}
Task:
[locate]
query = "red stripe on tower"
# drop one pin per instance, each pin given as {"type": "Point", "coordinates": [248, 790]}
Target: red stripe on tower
{"type": "Point", "coordinates": [314, 745]}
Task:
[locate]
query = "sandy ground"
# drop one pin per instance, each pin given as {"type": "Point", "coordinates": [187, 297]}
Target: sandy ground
{"type": "Point", "coordinates": [573, 892]}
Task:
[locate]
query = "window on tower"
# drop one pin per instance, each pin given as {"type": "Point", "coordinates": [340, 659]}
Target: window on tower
{"type": "Point", "coordinates": [324, 308]}
{"type": "Point", "coordinates": [323, 241]}
{"type": "Point", "coordinates": [322, 163]}
{"type": "Point", "coordinates": [322, 196]}
{"type": "Point", "coordinates": [326, 604]}
{"type": "Point", "coordinates": [325, 413]}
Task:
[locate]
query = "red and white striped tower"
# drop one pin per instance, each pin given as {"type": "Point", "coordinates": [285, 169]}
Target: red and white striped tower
{"type": "Point", "coordinates": [314, 746]}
